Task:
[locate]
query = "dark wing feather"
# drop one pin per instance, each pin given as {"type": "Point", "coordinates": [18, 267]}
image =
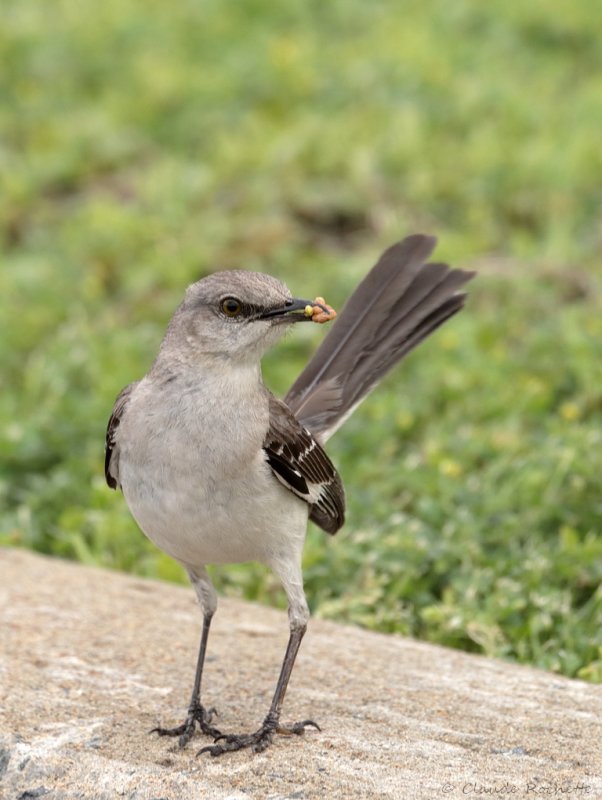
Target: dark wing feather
{"type": "Point", "coordinates": [111, 467]}
{"type": "Point", "coordinates": [300, 463]}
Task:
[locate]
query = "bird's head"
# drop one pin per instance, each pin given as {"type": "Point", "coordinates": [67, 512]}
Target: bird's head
{"type": "Point", "coordinates": [235, 315]}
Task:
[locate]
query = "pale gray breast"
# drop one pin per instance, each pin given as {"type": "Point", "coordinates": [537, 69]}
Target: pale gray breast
{"type": "Point", "coordinates": [195, 472]}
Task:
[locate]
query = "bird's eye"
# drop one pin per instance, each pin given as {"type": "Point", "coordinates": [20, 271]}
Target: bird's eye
{"type": "Point", "coordinates": [231, 307]}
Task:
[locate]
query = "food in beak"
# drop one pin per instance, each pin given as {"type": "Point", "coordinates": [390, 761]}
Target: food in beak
{"type": "Point", "coordinates": [320, 312]}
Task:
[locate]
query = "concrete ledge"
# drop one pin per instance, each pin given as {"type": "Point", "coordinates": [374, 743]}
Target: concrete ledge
{"type": "Point", "coordinates": [92, 660]}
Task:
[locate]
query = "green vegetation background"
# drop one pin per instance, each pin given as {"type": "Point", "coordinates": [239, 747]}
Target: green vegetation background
{"type": "Point", "coordinates": [145, 144]}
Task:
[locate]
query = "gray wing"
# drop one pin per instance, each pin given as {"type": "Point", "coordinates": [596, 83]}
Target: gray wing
{"type": "Point", "coordinates": [111, 455]}
{"type": "Point", "coordinates": [300, 463]}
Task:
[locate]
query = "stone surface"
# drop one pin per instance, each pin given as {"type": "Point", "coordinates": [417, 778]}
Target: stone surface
{"type": "Point", "coordinates": [92, 660]}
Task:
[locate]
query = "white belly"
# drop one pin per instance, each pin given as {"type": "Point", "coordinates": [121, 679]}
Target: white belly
{"type": "Point", "coordinates": [211, 524]}
{"type": "Point", "coordinates": [205, 495]}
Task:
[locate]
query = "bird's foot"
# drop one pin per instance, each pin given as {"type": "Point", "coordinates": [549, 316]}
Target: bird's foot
{"type": "Point", "coordinates": [258, 741]}
{"type": "Point", "coordinates": [197, 715]}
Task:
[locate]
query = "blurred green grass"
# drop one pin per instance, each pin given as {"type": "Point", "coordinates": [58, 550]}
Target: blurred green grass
{"type": "Point", "coordinates": [143, 145]}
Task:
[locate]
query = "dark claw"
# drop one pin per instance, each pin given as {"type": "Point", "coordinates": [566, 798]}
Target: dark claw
{"type": "Point", "coordinates": [197, 715]}
{"type": "Point", "coordinates": [258, 741]}
{"type": "Point", "coordinates": [298, 728]}
{"type": "Point", "coordinates": [214, 750]}
{"type": "Point", "coordinates": [169, 731]}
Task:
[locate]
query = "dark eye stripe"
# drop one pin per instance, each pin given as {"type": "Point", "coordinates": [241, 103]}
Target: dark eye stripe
{"type": "Point", "coordinates": [247, 310]}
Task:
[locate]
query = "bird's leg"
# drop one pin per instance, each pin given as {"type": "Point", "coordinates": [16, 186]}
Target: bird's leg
{"type": "Point", "coordinates": [197, 713]}
{"type": "Point", "coordinates": [262, 738]}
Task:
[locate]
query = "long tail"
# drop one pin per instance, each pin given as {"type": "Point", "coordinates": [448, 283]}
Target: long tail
{"type": "Point", "coordinates": [399, 303]}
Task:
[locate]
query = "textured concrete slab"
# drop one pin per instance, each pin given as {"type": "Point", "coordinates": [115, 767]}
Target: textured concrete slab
{"type": "Point", "coordinates": [92, 660]}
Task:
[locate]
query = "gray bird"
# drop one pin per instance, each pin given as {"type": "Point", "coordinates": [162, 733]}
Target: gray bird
{"type": "Point", "coordinates": [216, 470]}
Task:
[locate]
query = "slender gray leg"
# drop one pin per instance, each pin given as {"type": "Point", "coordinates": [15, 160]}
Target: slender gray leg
{"type": "Point", "coordinates": [197, 713]}
{"type": "Point", "coordinates": [262, 738]}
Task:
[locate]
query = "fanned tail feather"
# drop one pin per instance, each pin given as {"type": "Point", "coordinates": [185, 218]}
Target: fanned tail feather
{"type": "Point", "coordinates": [401, 301]}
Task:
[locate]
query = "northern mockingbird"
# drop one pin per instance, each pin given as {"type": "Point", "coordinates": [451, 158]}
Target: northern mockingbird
{"type": "Point", "coordinates": [216, 470]}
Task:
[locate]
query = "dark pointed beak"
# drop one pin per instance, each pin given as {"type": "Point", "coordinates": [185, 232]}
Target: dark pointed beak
{"type": "Point", "coordinates": [292, 311]}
